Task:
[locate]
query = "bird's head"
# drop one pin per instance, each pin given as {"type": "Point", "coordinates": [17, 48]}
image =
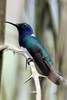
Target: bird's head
{"type": "Point", "coordinates": [23, 28]}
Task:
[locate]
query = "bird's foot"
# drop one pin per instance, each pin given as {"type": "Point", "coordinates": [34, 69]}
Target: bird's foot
{"type": "Point", "coordinates": [28, 61]}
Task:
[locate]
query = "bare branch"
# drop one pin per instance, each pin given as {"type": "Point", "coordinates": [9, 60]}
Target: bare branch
{"type": "Point", "coordinates": [35, 75]}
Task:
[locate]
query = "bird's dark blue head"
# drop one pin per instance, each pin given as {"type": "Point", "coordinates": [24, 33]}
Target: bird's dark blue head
{"type": "Point", "coordinates": [23, 28]}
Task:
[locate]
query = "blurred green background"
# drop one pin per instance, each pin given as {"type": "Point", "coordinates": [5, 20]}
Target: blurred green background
{"type": "Point", "coordinates": [49, 21]}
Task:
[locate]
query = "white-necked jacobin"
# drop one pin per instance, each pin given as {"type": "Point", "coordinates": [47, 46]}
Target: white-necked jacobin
{"type": "Point", "coordinates": [40, 55]}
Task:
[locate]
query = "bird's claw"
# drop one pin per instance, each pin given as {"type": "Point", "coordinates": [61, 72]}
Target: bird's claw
{"type": "Point", "coordinates": [26, 65]}
{"type": "Point", "coordinates": [28, 62]}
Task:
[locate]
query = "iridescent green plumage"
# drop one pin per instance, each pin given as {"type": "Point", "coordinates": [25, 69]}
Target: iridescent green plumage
{"type": "Point", "coordinates": [30, 42]}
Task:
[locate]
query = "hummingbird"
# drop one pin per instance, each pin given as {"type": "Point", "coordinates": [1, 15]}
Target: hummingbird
{"type": "Point", "coordinates": [39, 53]}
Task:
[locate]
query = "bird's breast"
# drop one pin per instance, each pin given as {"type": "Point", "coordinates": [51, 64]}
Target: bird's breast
{"type": "Point", "coordinates": [28, 42]}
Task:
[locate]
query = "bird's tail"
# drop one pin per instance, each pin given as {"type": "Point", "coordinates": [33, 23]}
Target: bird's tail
{"type": "Point", "coordinates": [56, 78]}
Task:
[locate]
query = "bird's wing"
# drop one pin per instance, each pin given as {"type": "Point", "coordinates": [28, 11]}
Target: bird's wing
{"type": "Point", "coordinates": [37, 55]}
{"type": "Point", "coordinates": [44, 53]}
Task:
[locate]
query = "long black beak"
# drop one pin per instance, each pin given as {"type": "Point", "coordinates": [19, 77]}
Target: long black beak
{"type": "Point", "coordinates": [12, 24]}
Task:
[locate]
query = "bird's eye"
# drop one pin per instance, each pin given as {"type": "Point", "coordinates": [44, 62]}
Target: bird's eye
{"type": "Point", "coordinates": [25, 25]}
